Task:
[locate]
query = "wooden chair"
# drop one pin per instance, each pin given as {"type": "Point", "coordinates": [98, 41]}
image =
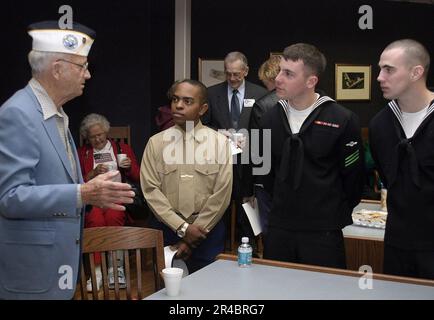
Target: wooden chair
{"type": "Point", "coordinates": [133, 241]}
{"type": "Point", "coordinates": [120, 134]}
{"type": "Point", "coordinates": [376, 182]}
{"type": "Point", "coordinates": [365, 139]}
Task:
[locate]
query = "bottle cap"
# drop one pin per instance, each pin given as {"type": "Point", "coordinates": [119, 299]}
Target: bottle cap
{"type": "Point", "coordinates": [245, 239]}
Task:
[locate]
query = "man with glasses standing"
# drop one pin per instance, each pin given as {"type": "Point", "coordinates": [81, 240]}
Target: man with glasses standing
{"type": "Point", "coordinates": [42, 193]}
{"type": "Point", "coordinates": [229, 107]}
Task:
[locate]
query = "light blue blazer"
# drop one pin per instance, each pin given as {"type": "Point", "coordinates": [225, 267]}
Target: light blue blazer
{"type": "Point", "coordinates": [40, 225]}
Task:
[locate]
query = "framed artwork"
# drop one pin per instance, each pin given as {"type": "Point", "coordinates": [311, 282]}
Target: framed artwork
{"type": "Point", "coordinates": [353, 82]}
{"type": "Point", "coordinates": [211, 71]}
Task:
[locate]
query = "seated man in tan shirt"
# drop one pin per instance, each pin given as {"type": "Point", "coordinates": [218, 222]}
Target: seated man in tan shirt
{"type": "Point", "coordinates": [186, 178]}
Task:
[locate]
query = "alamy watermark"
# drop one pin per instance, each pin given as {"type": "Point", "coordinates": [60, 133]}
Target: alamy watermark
{"type": "Point", "coordinates": [366, 21]}
{"type": "Point", "coordinates": [201, 146]}
{"type": "Point", "coordinates": [66, 280]}
{"type": "Point", "coordinates": [66, 20]}
{"type": "Point", "coordinates": [366, 280]}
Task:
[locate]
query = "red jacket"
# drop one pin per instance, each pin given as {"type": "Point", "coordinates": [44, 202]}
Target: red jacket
{"type": "Point", "coordinates": [164, 119]}
{"type": "Point", "coordinates": [85, 154]}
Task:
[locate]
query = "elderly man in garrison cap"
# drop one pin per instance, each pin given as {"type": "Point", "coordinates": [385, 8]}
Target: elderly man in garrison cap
{"type": "Point", "coordinates": [42, 193]}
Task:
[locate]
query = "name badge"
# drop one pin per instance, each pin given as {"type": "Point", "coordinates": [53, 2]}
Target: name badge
{"type": "Point", "coordinates": [248, 103]}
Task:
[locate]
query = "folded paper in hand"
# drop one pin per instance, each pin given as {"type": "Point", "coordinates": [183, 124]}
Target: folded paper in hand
{"type": "Point", "coordinates": [234, 148]}
{"type": "Point", "coordinates": [253, 215]}
{"type": "Point", "coordinates": [171, 262]}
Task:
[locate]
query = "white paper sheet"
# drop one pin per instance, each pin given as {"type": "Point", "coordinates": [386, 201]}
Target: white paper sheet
{"type": "Point", "coordinates": [169, 254]}
{"type": "Point", "coordinates": [235, 149]}
{"type": "Point", "coordinates": [254, 219]}
{"type": "Point", "coordinates": [170, 261]}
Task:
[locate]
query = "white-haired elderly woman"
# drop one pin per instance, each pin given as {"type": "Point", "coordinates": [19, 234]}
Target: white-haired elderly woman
{"type": "Point", "coordinates": [98, 156]}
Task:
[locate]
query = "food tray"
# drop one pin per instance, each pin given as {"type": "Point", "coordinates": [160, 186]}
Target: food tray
{"type": "Point", "coordinates": [370, 218]}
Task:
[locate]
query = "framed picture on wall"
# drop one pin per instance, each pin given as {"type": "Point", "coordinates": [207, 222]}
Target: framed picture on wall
{"type": "Point", "coordinates": [353, 82]}
{"type": "Point", "coordinates": [211, 71]}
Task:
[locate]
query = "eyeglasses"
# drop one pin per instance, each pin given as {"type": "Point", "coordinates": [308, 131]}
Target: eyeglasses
{"type": "Point", "coordinates": [84, 66]}
{"type": "Point", "coordinates": [97, 136]}
{"type": "Point", "coordinates": [236, 75]}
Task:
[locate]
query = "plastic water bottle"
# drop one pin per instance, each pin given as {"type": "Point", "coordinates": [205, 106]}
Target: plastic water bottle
{"type": "Point", "coordinates": [245, 253]}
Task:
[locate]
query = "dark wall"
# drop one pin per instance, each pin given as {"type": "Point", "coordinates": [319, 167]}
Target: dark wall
{"type": "Point", "coordinates": [258, 28]}
{"type": "Point", "coordinates": [162, 52]}
{"type": "Point", "coordinates": [131, 59]}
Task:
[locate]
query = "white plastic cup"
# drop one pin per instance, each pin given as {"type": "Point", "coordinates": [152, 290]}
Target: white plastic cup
{"type": "Point", "coordinates": [172, 280]}
{"type": "Point", "coordinates": [121, 157]}
{"type": "Point", "coordinates": [112, 167]}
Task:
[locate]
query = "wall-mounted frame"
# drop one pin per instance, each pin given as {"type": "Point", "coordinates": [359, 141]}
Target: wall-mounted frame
{"type": "Point", "coordinates": [211, 71]}
{"type": "Point", "coordinates": [353, 82]}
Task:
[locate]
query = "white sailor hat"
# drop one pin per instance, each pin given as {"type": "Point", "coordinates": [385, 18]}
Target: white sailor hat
{"type": "Point", "coordinates": [47, 36]}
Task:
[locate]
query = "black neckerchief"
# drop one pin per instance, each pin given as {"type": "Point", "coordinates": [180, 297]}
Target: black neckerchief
{"type": "Point", "coordinates": [405, 146]}
{"type": "Point", "coordinates": [293, 145]}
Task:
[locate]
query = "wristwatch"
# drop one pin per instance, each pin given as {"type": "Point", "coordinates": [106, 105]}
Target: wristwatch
{"type": "Point", "coordinates": [182, 230]}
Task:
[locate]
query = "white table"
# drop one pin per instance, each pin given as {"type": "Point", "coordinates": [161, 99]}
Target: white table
{"type": "Point", "coordinates": [224, 280]}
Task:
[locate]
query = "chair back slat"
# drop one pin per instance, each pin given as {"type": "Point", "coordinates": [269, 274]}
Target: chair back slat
{"type": "Point", "coordinates": [139, 275]}
{"type": "Point", "coordinates": [132, 241]}
{"type": "Point", "coordinates": [128, 274]}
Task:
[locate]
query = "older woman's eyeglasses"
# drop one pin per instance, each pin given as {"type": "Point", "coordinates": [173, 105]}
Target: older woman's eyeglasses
{"type": "Point", "coordinates": [97, 136]}
{"type": "Point", "coordinates": [84, 66]}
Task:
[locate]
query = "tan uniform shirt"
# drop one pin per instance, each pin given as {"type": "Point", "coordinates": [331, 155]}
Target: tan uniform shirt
{"type": "Point", "coordinates": [187, 176]}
